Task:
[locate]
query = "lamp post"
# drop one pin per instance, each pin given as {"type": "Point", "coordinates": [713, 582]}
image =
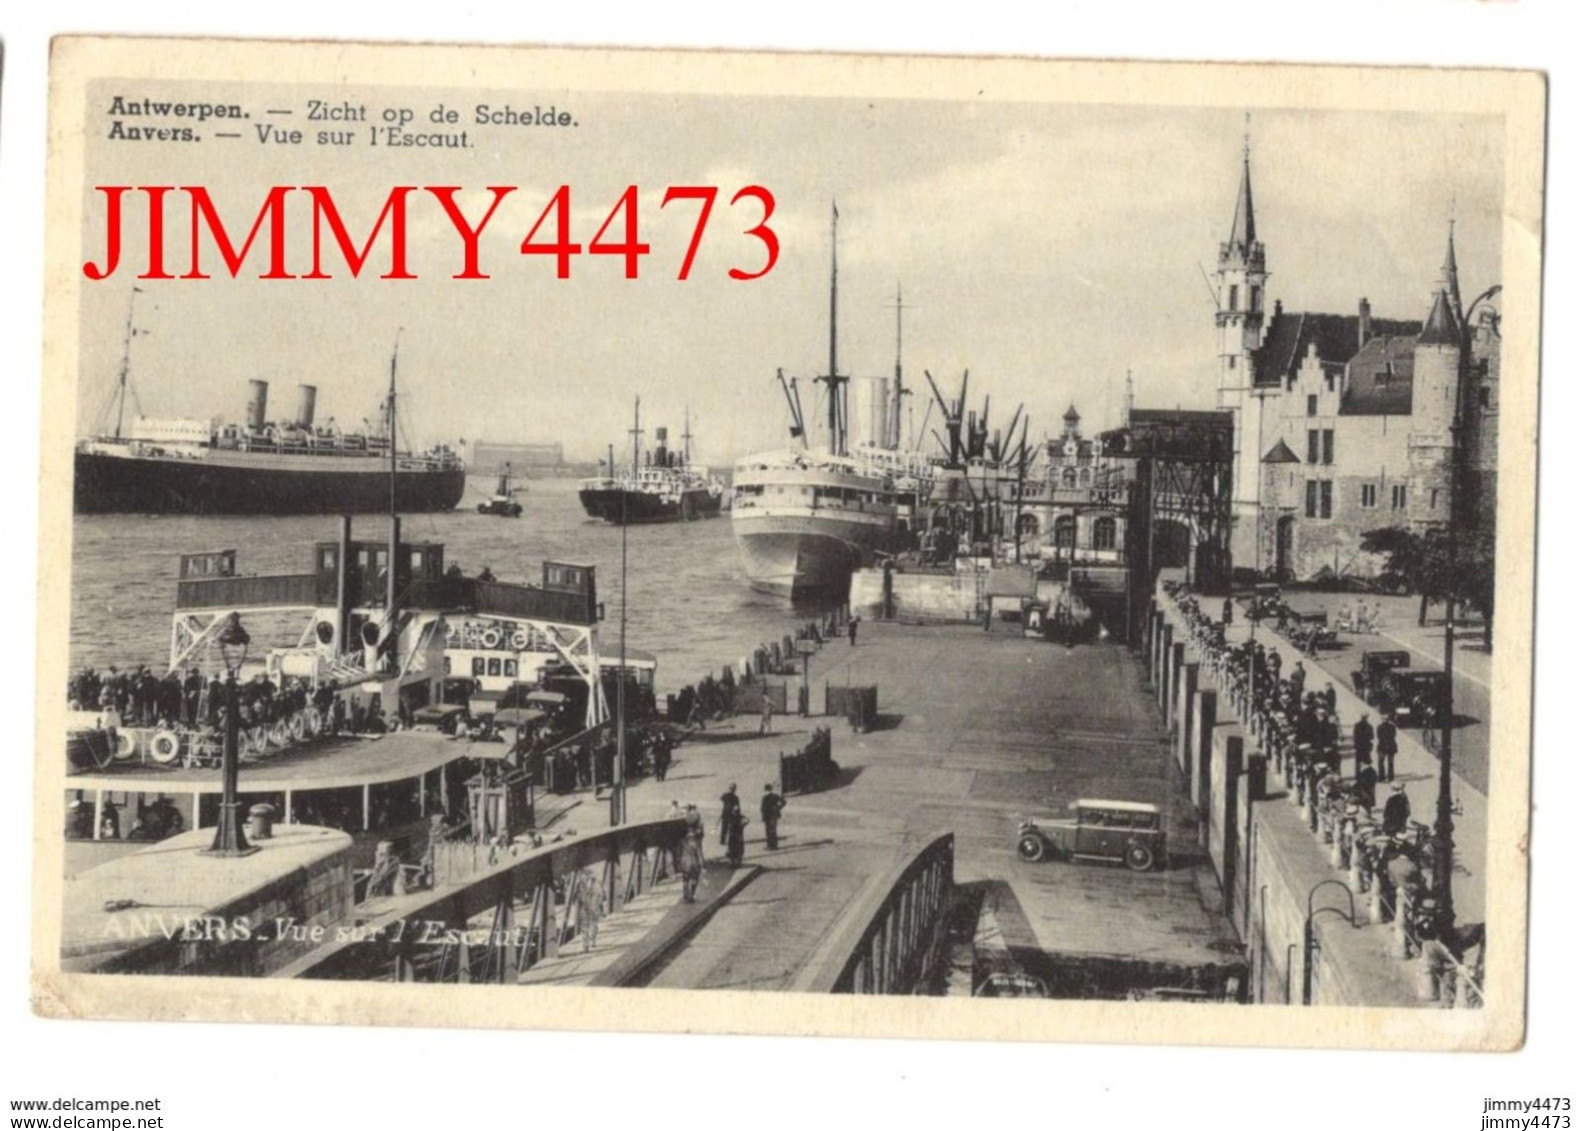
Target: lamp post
{"type": "Point", "coordinates": [229, 840]}
{"type": "Point", "coordinates": [1444, 825]}
{"type": "Point", "coordinates": [617, 792]}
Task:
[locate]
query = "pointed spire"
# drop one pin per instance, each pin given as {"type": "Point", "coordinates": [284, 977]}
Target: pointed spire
{"type": "Point", "coordinates": [1449, 281]}
{"type": "Point", "coordinates": [1441, 327]}
{"type": "Point", "coordinates": [1243, 232]}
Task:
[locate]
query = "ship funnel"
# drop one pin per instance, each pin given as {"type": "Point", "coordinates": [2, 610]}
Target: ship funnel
{"type": "Point", "coordinates": [257, 404]}
{"type": "Point", "coordinates": [306, 400]}
{"type": "Point", "coordinates": [661, 455]}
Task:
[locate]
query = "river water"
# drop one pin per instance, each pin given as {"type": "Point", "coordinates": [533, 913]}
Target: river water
{"type": "Point", "coordinates": [690, 603]}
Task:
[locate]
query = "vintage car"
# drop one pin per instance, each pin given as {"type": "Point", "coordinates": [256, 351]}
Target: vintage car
{"type": "Point", "coordinates": [1414, 697]}
{"type": "Point", "coordinates": [1369, 679]}
{"type": "Point", "coordinates": [1129, 831]}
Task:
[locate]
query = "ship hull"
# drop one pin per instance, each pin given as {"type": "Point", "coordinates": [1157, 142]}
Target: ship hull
{"type": "Point", "coordinates": [805, 557]}
{"type": "Point", "coordinates": [613, 505]}
{"type": "Point", "coordinates": [111, 484]}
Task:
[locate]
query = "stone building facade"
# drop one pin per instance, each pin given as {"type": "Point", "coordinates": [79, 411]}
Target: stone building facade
{"type": "Point", "coordinates": [1343, 422]}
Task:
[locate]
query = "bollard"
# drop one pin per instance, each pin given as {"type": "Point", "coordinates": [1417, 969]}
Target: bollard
{"type": "Point", "coordinates": [1375, 904]}
{"type": "Point", "coordinates": [1336, 852]}
{"type": "Point", "coordinates": [1355, 879]}
{"type": "Point", "coordinates": [260, 821]}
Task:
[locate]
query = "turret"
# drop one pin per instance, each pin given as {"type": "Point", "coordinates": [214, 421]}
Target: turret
{"type": "Point", "coordinates": [1436, 366]}
{"type": "Point", "coordinates": [1242, 274]}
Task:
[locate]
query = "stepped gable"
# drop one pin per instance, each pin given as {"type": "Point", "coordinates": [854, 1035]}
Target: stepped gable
{"type": "Point", "coordinates": [1379, 378]}
{"type": "Point", "coordinates": [1289, 335]}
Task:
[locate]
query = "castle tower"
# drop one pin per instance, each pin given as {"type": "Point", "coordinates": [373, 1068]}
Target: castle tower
{"type": "Point", "coordinates": [1435, 372]}
{"type": "Point", "coordinates": [1241, 279]}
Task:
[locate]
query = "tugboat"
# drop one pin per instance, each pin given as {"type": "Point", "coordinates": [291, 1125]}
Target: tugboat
{"type": "Point", "coordinates": [663, 488]}
{"type": "Point", "coordinates": [503, 502]}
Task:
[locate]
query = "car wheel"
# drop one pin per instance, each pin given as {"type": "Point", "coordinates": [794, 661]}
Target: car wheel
{"type": "Point", "coordinates": [1031, 847]}
{"type": "Point", "coordinates": [1138, 857]}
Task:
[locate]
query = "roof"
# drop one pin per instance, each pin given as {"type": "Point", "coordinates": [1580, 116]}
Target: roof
{"type": "Point", "coordinates": [1128, 806]}
{"type": "Point", "coordinates": [1291, 334]}
{"type": "Point", "coordinates": [1451, 280]}
{"type": "Point", "coordinates": [1441, 328]}
{"type": "Point", "coordinates": [1071, 413]}
{"type": "Point", "coordinates": [1281, 453]}
{"type": "Point", "coordinates": [1379, 378]}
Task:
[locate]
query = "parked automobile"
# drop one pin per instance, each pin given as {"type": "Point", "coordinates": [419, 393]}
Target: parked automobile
{"type": "Point", "coordinates": [1368, 680]}
{"type": "Point", "coordinates": [1128, 831]}
{"type": "Point", "coordinates": [1414, 696]}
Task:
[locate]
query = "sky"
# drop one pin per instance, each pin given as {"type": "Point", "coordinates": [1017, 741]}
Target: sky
{"type": "Point", "coordinates": [1048, 248]}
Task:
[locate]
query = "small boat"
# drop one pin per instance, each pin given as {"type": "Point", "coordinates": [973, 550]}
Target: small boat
{"type": "Point", "coordinates": [503, 502]}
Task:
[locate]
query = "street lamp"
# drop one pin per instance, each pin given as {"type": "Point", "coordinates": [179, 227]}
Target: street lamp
{"type": "Point", "coordinates": [1444, 826]}
{"type": "Point", "coordinates": [229, 840]}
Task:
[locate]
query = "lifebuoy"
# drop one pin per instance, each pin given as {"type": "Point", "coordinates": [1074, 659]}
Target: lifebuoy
{"type": "Point", "coordinates": [125, 745]}
{"type": "Point", "coordinates": [452, 632]}
{"type": "Point", "coordinates": [519, 640]}
{"type": "Point", "coordinates": [165, 747]}
{"type": "Point", "coordinates": [491, 638]}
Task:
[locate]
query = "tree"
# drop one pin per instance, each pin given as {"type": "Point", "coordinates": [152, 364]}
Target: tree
{"type": "Point", "coordinates": [1475, 575]}
{"type": "Point", "coordinates": [1417, 563]}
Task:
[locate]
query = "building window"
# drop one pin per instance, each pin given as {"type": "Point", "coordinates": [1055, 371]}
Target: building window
{"type": "Point", "coordinates": [1068, 477]}
{"type": "Point", "coordinates": [1369, 494]}
{"type": "Point", "coordinates": [1484, 396]}
{"type": "Point", "coordinates": [1328, 445]}
{"type": "Point", "coordinates": [1254, 299]}
{"type": "Point", "coordinates": [1432, 499]}
{"type": "Point", "coordinates": [1312, 405]}
{"type": "Point", "coordinates": [1312, 499]}
{"type": "Point", "coordinates": [1103, 534]}
{"type": "Point", "coordinates": [1313, 437]}
{"type": "Point", "coordinates": [1065, 532]}
{"type": "Point", "coordinates": [1326, 498]}
{"type": "Point", "coordinates": [1232, 361]}
{"type": "Point", "coordinates": [1235, 298]}
{"type": "Point", "coordinates": [1380, 380]}
{"type": "Point", "coordinates": [1397, 497]}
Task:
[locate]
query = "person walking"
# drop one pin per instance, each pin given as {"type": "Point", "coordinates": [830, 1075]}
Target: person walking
{"type": "Point", "coordinates": [589, 908]}
{"type": "Point", "coordinates": [1361, 738]}
{"type": "Point", "coordinates": [690, 864]}
{"type": "Point", "coordinates": [1388, 747]}
{"type": "Point", "coordinates": [770, 809]}
{"type": "Point", "coordinates": [850, 629]}
{"type": "Point", "coordinates": [766, 723]}
{"type": "Point", "coordinates": [1229, 612]}
{"type": "Point", "coordinates": [661, 755]}
{"type": "Point", "coordinates": [736, 840]}
{"type": "Point", "coordinates": [730, 808]}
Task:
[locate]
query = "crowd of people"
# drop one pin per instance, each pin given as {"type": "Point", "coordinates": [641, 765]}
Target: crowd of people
{"type": "Point", "coordinates": [1299, 729]}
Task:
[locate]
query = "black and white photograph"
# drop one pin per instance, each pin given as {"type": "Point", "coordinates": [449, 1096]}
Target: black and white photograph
{"type": "Point", "coordinates": [851, 539]}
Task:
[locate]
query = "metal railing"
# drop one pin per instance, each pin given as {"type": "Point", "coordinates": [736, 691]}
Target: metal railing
{"type": "Point", "coordinates": [892, 940]}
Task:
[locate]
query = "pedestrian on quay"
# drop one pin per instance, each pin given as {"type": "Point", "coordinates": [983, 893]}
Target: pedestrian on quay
{"type": "Point", "coordinates": [730, 807]}
{"type": "Point", "coordinates": [766, 724]}
{"type": "Point", "coordinates": [850, 629]}
{"type": "Point", "coordinates": [661, 755]}
{"type": "Point", "coordinates": [770, 809]}
{"type": "Point", "coordinates": [1388, 747]}
{"type": "Point", "coordinates": [1396, 810]}
{"type": "Point", "coordinates": [1361, 738]}
{"type": "Point", "coordinates": [1330, 697]}
{"type": "Point", "coordinates": [1229, 612]}
{"type": "Point", "coordinates": [1367, 787]}
{"type": "Point", "coordinates": [589, 908]}
{"type": "Point", "coordinates": [691, 858]}
{"type": "Point", "coordinates": [736, 841]}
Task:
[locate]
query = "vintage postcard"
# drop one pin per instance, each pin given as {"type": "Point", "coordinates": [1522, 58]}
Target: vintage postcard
{"type": "Point", "coordinates": [574, 538]}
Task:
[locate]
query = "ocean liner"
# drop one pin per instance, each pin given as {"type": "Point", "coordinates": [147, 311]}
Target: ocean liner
{"type": "Point", "coordinates": [259, 466]}
{"type": "Point", "coordinates": [663, 488]}
{"type": "Point", "coordinates": [805, 520]}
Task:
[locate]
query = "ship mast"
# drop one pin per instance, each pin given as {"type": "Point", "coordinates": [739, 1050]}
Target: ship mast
{"type": "Point", "coordinates": [636, 438]}
{"type": "Point", "coordinates": [126, 359]}
{"type": "Point", "coordinates": [836, 392]}
{"type": "Point", "coordinates": [391, 595]}
{"type": "Point", "coordinates": [686, 437]}
{"type": "Point", "coordinates": [892, 418]}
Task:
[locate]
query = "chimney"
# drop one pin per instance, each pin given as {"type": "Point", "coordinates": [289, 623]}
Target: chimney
{"type": "Point", "coordinates": [306, 400]}
{"type": "Point", "coordinates": [1363, 323]}
{"type": "Point", "coordinates": [257, 405]}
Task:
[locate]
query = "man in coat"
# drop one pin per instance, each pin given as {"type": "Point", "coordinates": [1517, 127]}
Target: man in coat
{"type": "Point", "coordinates": [1361, 738]}
{"type": "Point", "coordinates": [770, 809]}
{"type": "Point", "coordinates": [1396, 810]}
{"type": "Point", "coordinates": [730, 809]}
{"type": "Point", "coordinates": [1388, 747]}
